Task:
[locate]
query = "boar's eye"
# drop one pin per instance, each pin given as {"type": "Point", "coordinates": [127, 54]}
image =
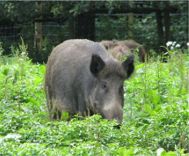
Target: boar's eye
{"type": "Point", "coordinates": [104, 86]}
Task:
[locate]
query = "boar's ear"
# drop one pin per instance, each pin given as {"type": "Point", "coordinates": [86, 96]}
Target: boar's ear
{"type": "Point", "coordinates": [97, 64]}
{"type": "Point", "coordinates": [128, 66]}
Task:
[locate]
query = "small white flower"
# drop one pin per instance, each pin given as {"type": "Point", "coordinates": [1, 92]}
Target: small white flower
{"type": "Point", "coordinates": [187, 44]}
{"type": "Point", "coordinates": [177, 45]}
{"type": "Point", "coordinates": [169, 43]}
{"type": "Point", "coordinates": [174, 43]}
{"type": "Point", "coordinates": [160, 151]}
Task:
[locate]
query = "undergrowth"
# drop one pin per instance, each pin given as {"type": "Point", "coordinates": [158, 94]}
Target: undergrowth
{"type": "Point", "coordinates": [156, 113]}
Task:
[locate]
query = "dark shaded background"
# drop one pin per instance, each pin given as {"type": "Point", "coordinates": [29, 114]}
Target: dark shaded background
{"type": "Point", "coordinates": [42, 25]}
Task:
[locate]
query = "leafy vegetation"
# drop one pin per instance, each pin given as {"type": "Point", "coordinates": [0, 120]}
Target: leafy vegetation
{"type": "Point", "coordinates": [156, 113]}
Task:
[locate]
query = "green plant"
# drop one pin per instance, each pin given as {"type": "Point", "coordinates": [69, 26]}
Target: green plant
{"type": "Point", "coordinates": [155, 114]}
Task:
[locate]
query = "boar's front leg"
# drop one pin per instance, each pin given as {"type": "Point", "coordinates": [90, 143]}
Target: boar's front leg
{"type": "Point", "coordinates": [58, 107]}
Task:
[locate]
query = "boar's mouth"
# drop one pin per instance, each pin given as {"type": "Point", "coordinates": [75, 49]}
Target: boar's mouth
{"type": "Point", "coordinates": [119, 121]}
{"type": "Point", "coordinates": [117, 118]}
{"type": "Point", "coordinates": [114, 113]}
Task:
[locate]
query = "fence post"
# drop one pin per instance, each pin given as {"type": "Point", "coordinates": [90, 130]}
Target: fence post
{"type": "Point", "coordinates": [130, 21]}
{"type": "Point", "coordinates": [160, 28]}
{"type": "Point", "coordinates": [38, 36]}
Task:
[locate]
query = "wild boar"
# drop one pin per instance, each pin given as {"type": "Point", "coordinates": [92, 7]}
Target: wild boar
{"type": "Point", "coordinates": [120, 51]}
{"type": "Point", "coordinates": [133, 45]}
{"type": "Point", "coordinates": [125, 47]}
{"type": "Point", "coordinates": [82, 78]}
{"type": "Point", "coordinates": [108, 44]}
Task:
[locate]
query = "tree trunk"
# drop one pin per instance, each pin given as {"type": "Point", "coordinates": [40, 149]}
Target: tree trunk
{"type": "Point", "coordinates": [38, 28]}
{"type": "Point", "coordinates": [85, 24]}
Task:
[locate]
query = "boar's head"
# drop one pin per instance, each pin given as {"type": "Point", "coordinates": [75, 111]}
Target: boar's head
{"type": "Point", "coordinates": [107, 94]}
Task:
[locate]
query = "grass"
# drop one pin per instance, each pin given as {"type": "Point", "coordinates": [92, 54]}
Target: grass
{"type": "Point", "coordinates": [156, 114]}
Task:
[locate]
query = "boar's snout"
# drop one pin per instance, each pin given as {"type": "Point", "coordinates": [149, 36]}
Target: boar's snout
{"type": "Point", "coordinates": [114, 113]}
